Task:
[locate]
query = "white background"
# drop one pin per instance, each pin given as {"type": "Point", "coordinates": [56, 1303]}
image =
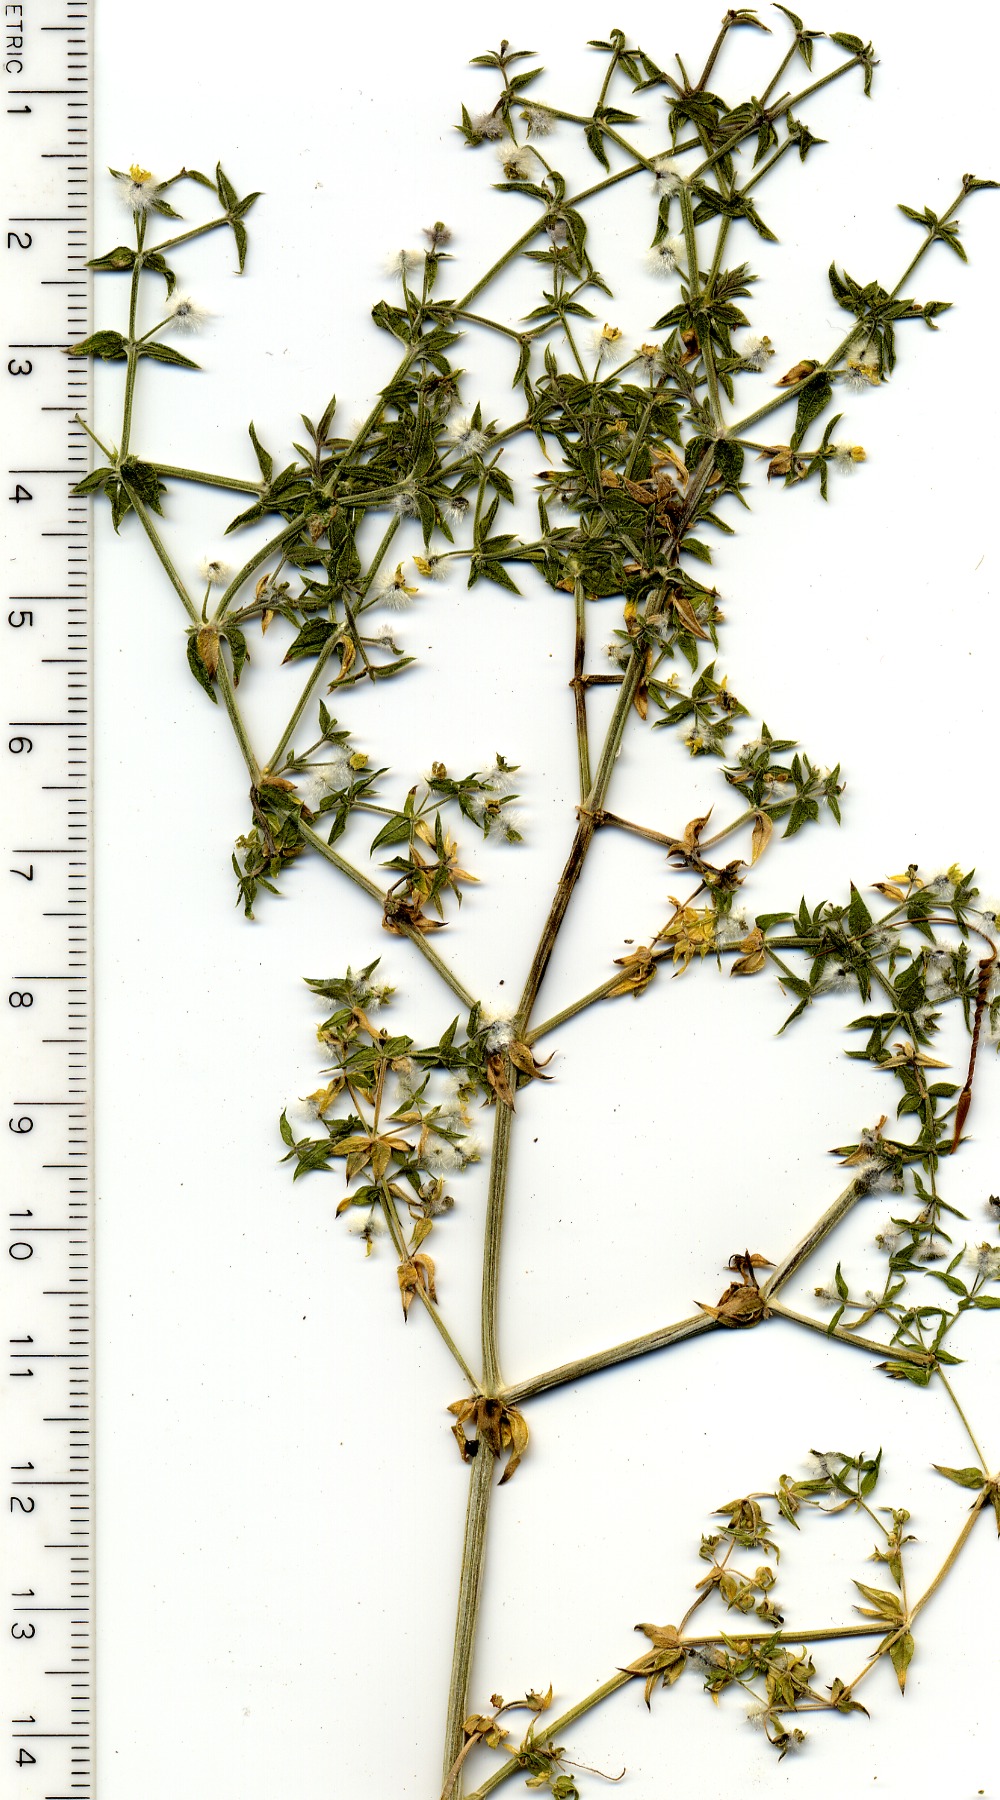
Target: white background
{"type": "Point", "coordinates": [280, 1501]}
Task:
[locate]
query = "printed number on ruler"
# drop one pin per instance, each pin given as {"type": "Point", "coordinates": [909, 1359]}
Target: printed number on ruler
{"type": "Point", "coordinates": [45, 1018]}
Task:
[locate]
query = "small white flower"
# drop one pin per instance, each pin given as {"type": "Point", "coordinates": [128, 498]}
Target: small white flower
{"type": "Point", "coordinates": [405, 500]}
{"type": "Point", "coordinates": [489, 125]}
{"type": "Point", "coordinates": [516, 161]}
{"type": "Point", "coordinates": [394, 591]}
{"type": "Point", "coordinates": [499, 1029]}
{"type": "Point", "coordinates": [216, 572]}
{"type": "Point", "coordinates": [985, 1259]}
{"type": "Point", "coordinates": [456, 509]}
{"type": "Point", "coordinates": [889, 1239]}
{"type": "Point", "coordinates": [730, 930]}
{"type": "Point", "coordinates": [384, 637]}
{"type": "Point", "coordinates": [505, 824]}
{"type": "Point", "coordinates": [649, 356]}
{"type": "Point", "coordinates": [758, 1714]}
{"type": "Point", "coordinates": [819, 1465]}
{"type": "Point", "coordinates": [667, 178]}
{"type": "Point", "coordinates": [609, 344]}
{"type": "Point", "coordinates": [440, 1157]}
{"type": "Point", "coordinates": [469, 1148]}
{"type": "Point", "coordinates": [539, 122]}
{"type": "Point", "coordinates": [322, 779]}
{"type": "Point", "coordinates": [940, 886]}
{"type": "Point", "coordinates": [499, 781]}
{"type": "Point", "coordinates": [847, 456]}
{"type": "Point", "coordinates": [756, 352]}
{"type": "Point", "coordinates": [834, 981]}
{"type": "Point", "coordinates": [881, 1178]}
{"type": "Point", "coordinates": [861, 371]}
{"type": "Point", "coordinates": [619, 651]}
{"type": "Point", "coordinates": [137, 189]}
{"type": "Point", "coordinates": [828, 1294]}
{"type": "Point", "coordinates": [302, 1113]}
{"type": "Point", "coordinates": [185, 314]}
{"type": "Point", "coordinates": [879, 942]}
{"type": "Point", "coordinates": [703, 740]}
{"type": "Point", "coordinates": [465, 437]}
{"type": "Point", "coordinates": [939, 976]}
{"type": "Point", "coordinates": [666, 256]}
{"type": "Point", "coordinates": [403, 262]}
{"type": "Point", "coordinates": [366, 1225]}
{"type": "Point", "coordinates": [368, 993]}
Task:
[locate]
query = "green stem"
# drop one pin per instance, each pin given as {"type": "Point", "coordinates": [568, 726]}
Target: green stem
{"type": "Point", "coordinates": [623, 1676]}
{"type": "Point", "coordinates": [236, 718]}
{"type": "Point", "coordinates": [158, 545]}
{"type": "Point", "coordinates": [274, 760]}
{"type": "Point", "coordinates": [974, 1441]}
{"type": "Point", "coordinates": [372, 888]}
{"type": "Point", "coordinates": [499, 1163]}
{"type": "Point", "coordinates": [130, 369]}
{"type": "Point", "coordinates": [231, 483]}
{"type": "Point", "coordinates": [694, 1326]}
{"type": "Point", "coordinates": [290, 532]}
{"type": "Point", "coordinates": [952, 1556]}
{"type": "Point", "coordinates": [694, 285]}
{"type": "Point", "coordinates": [579, 691]}
{"type": "Point", "coordinates": [847, 1336]}
{"type": "Point", "coordinates": [469, 1596]}
{"type": "Point", "coordinates": [184, 237]}
{"type": "Point", "coordinates": [792, 393]}
{"type": "Point", "coordinates": [790, 1264]}
{"type": "Point", "coordinates": [395, 1232]}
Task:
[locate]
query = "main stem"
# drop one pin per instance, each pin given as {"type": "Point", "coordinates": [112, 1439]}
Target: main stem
{"type": "Point", "coordinates": [469, 1595]}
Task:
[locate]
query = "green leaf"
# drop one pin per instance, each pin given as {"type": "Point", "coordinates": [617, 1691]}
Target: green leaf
{"type": "Point", "coordinates": [238, 645]}
{"type": "Point", "coordinates": [109, 345]}
{"type": "Point", "coordinates": [967, 1478]}
{"type": "Point", "coordinates": [313, 637]}
{"type": "Point", "coordinates": [859, 919]}
{"type": "Point", "coordinates": [198, 669]}
{"type": "Point", "coordinates": [164, 354]}
{"type": "Point", "coordinates": [265, 460]}
{"type": "Point", "coordinates": [901, 1655]}
{"type": "Point", "coordinates": [396, 830]}
{"type": "Point", "coordinates": [886, 1604]}
{"type": "Point", "coordinates": [813, 398]}
{"type": "Point", "coordinates": [122, 258]}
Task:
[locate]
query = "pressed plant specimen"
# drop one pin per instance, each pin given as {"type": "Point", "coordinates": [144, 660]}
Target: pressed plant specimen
{"type": "Point", "coordinates": [647, 451]}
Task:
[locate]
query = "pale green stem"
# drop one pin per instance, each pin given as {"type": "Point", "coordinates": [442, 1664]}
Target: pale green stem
{"type": "Point", "coordinates": [267, 550]}
{"type": "Point", "coordinates": [694, 1326]}
{"type": "Point", "coordinates": [158, 545]}
{"type": "Point", "coordinates": [236, 718]}
{"type": "Point", "coordinates": [372, 888]}
{"type": "Point", "coordinates": [469, 1596]}
{"type": "Point", "coordinates": [790, 1264]}
{"type": "Point", "coordinates": [399, 1243]}
{"type": "Point", "coordinates": [953, 1397]}
{"type": "Point", "coordinates": [274, 760]}
{"type": "Point", "coordinates": [499, 1160]}
{"type": "Point", "coordinates": [130, 367]}
{"type": "Point", "coordinates": [846, 1336]}
{"type": "Point", "coordinates": [229, 482]}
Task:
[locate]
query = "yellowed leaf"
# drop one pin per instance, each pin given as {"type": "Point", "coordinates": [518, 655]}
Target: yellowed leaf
{"type": "Point", "coordinates": [763, 828]}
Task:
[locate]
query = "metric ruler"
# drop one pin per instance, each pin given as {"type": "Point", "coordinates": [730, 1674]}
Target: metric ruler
{"type": "Point", "coordinates": [46, 1424]}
